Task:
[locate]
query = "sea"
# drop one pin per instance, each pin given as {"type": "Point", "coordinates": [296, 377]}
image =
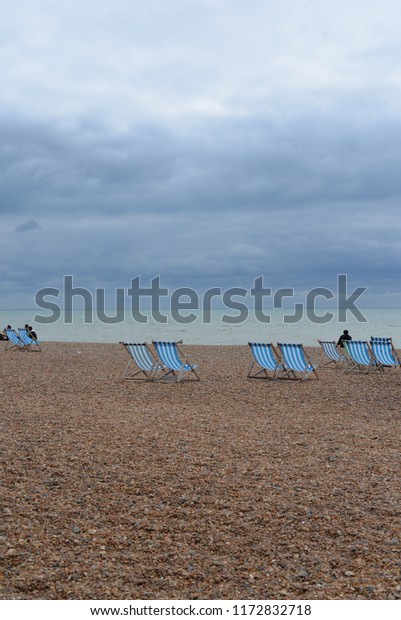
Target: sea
{"type": "Point", "coordinates": [212, 330]}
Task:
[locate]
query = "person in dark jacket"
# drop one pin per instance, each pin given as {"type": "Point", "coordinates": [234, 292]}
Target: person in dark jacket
{"type": "Point", "coordinates": [344, 336]}
{"type": "Point", "coordinates": [30, 332]}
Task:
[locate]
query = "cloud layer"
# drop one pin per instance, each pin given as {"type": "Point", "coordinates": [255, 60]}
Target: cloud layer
{"type": "Point", "coordinates": [206, 142]}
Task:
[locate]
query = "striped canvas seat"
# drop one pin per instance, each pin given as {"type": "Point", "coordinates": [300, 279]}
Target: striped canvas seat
{"type": "Point", "coordinates": [360, 357]}
{"type": "Point", "coordinates": [142, 360]}
{"type": "Point", "coordinates": [296, 361]}
{"type": "Point", "coordinates": [265, 359]}
{"type": "Point", "coordinates": [177, 369]}
{"type": "Point", "coordinates": [384, 352]}
{"type": "Point", "coordinates": [28, 340]}
{"type": "Point", "coordinates": [14, 341]}
{"type": "Point", "coordinates": [331, 353]}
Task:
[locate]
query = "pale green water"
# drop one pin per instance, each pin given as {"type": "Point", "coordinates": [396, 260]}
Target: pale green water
{"type": "Point", "coordinates": [381, 322]}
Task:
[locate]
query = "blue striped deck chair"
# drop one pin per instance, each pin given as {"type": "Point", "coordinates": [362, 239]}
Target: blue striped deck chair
{"type": "Point", "coordinates": [30, 342]}
{"type": "Point", "coordinates": [384, 352]}
{"type": "Point", "coordinates": [14, 341]}
{"type": "Point", "coordinates": [143, 361]}
{"type": "Point", "coordinates": [331, 354]}
{"type": "Point", "coordinates": [169, 357]}
{"type": "Point", "coordinates": [266, 360]}
{"type": "Point", "coordinates": [296, 361]}
{"type": "Point", "coordinates": [360, 357]}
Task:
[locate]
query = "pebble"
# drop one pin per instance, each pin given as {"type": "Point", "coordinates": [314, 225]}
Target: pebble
{"type": "Point", "coordinates": [303, 573]}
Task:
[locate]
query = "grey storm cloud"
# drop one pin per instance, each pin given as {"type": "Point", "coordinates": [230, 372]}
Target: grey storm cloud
{"type": "Point", "coordinates": [28, 225]}
{"type": "Point", "coordinates": [227, 201]}
{"type": "Point", "coordinates": [204, 142]}
{"type": "Point", "coordinates": [253, 163]}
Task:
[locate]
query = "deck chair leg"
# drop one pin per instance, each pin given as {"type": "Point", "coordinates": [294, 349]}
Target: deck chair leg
{"type": "Point", "coordinates": [124, 373]}
{"type": "Point", "coordinates": [185, 362]}
{"type": "Point", "coordinates": [153, 373]}
{"type": "Point", "coordinates": [195, 373]}
{"type": "Point", "coordinates": [250, 370]}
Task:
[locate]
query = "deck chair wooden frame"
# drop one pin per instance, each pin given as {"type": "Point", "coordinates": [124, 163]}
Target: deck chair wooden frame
{"type": "Point", "coordinates": [296, 361]}
{"type": "Point", "coordinates": [384, 352]}
{"type": "Point", "coordinates": [333, 356]}
{"type": "Point", "coordinates": [14, 341]}
{"type": "Point", "coordinates": [142, 363]}
{"type": "Point", "coordinates": [266, 363]}
{"type": "Point", "coordinates": [176, 366]}
{"type": "Point", "coordinates": [360, 357]}
{"type": "Point", "coordinates": [30, 342]}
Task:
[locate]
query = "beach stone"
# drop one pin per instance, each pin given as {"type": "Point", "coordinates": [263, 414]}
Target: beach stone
{"type": "Point", "coordinates": [303, 573]}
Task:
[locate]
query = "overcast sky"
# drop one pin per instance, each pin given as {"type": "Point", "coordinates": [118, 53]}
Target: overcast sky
{"type": "Point", "coordinates": [208, 141]}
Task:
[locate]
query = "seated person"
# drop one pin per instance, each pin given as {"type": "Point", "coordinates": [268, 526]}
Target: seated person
{"type": "Point", "coordinates": [30, 331]}
{"type": "Point", "coordinates": [344, 336]}
{"type": "Point", "coordinates": [3, 335]}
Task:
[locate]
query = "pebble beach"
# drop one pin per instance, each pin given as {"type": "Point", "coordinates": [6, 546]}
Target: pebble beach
{"type": "Point", "coordinates": [223, 488]}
